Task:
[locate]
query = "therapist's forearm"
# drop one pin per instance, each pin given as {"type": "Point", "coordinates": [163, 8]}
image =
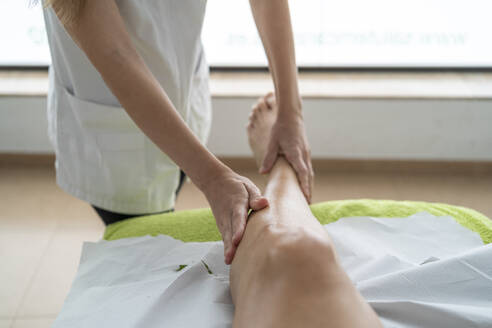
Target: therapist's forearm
{"type": "Point", "coordinates": [272, 19]}
{"type": "Point", "coordinates": [100, 32]}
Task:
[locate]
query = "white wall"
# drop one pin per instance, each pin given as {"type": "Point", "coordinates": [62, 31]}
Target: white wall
{"type": "Point", "coordinates": [450, 129]}
{"type": "Point", "coordinates": [376, 128]}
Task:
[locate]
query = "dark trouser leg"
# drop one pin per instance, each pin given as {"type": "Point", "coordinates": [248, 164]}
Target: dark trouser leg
{"type": "Point", "coordinates": [109, 217]}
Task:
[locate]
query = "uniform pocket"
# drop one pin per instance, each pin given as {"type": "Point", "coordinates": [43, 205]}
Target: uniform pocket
{"type": "Point", "coordinates": [109, 127]}
{"type": "Point", "coordinates": [105, 159]}
{"type": "Point", "coordinates": [101, 149]}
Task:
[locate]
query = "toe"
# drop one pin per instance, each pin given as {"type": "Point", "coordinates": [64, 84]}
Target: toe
{"type": "Point", "coordinates": [271, 103]}
{"type": "Point", "coordinates": [253, 118]}
{"type": "Point", "coordinates": [262, 105]}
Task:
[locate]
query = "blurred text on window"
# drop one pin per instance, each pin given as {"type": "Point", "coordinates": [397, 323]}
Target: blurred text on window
{"type": "Point", "coordinates": [348, 33]}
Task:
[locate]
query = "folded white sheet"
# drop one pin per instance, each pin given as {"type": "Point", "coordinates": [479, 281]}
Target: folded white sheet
{"type": "Point", "coordinates": [421, 271]}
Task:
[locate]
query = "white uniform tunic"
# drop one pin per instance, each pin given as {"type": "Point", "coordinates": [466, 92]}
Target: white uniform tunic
{"type": "Point", "coordinates": [102, 156]}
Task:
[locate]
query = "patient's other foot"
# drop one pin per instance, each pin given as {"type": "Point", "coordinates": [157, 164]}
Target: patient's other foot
{"type": "Point", "coordinates": [261, 119]}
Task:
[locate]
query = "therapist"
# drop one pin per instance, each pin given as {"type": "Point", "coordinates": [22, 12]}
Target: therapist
{"type": "Point", "coordinates": [129, 107]}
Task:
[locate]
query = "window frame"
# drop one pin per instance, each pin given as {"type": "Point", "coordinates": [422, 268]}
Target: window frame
{"type": "Point", "coordinates": [301, 69]}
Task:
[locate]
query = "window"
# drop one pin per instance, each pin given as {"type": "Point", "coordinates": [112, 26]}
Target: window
{"type": "Point", "coordinates": [348, 33]}
{"type": "Point", "coordinates": [22, 34]}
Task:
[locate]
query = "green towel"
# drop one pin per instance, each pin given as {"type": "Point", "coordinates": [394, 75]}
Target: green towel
{"type": "Point", "coordinates": [199, 225]}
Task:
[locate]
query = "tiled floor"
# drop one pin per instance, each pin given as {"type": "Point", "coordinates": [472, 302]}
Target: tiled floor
{"type": "Point", "coordinates": [42, 228]}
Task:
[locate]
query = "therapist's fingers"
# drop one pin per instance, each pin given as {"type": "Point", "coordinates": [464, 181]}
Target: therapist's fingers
{"type": "Point", "coordinates": [311, 176]}
{"type": "Point", "coordinates": [270, 157]}
{"type": "Point", "coordinates": [227, 238]}
{"type": "Point", "coordinates": [296, 160]}
{"type": "Point", "coordinates": [256, 202]}
{"type": "Point", "coordinates": [255, 199]}
{"type": "Point", "coordinates": [238, 224]}
{"type": "Point", "coordinates": [231, 196]}
{"type": "Point", "coordinates": [223, 220]}
{"type": "Point", "coordinates": [307, 160]}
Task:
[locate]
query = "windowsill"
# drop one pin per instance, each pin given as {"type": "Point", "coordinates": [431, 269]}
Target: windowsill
{"type": "Point", "coordinates": [398, 85]}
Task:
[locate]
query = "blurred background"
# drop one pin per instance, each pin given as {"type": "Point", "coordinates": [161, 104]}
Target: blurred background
{"type": "Point", "coordinates": [352, 33]}
{"type": "Point", "coordinates": [397, 99]}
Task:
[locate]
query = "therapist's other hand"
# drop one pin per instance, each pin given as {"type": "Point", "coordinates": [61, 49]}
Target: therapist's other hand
{"type": "Point", "coordinates": [288, 138]}
{"type": "Point", "coordinates": [230, 196]}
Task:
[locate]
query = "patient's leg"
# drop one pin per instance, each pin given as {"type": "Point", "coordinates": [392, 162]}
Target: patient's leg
{"type": "Point", "coordinates": [285, 272]}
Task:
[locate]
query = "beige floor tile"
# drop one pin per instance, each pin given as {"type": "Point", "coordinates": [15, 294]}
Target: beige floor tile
{"type": "Point", "coordinates": [26, 187]}
{"type": "Point", "coordinates": [31, 191]}
{"type": "Point", "coordinates": [74, 213]}
{"type": "Point", "coordinates": [22, 244]}
{"type": "Point", "coordinates": [56, 272]}
{"type": "Point", "coordinates": [41, 322]}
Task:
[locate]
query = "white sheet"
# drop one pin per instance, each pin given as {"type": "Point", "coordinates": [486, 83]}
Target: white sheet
{"type": "Point", "coordinates": [420, 271]}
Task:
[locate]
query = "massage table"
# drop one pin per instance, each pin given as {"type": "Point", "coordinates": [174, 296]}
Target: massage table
{"type": "Point", "coordinates": [417, 264]}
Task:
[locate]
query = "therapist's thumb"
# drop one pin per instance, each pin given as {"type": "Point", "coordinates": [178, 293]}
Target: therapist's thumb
{"type": "Point", "coordinates": [256, 200]}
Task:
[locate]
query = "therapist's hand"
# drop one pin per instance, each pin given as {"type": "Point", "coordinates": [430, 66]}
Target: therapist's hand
{"type": "Point", "coordinates": [288, 138]}
{"type": "Point", "coordinates": [230, 196]}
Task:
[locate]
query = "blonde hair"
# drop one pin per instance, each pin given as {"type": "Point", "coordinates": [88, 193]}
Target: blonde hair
{"type": "Point", "coordinates": [67, 10]}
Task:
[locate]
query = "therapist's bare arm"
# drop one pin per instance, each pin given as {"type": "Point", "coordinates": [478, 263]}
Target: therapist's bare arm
{"type": "Point", "coordinates": [288, 136]}
{"type": "Point", "coordinates": [100, 32]}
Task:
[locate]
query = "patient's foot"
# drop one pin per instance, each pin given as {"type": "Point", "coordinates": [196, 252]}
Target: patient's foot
{"type": "Point", "coordinates": [261, 119]}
